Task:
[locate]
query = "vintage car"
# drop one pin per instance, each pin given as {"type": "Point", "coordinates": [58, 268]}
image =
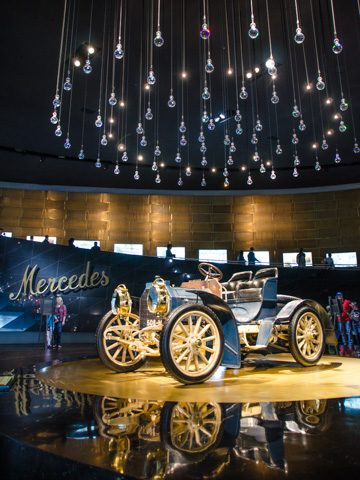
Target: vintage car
{"type": "Point", "coordinates": [204, 323]}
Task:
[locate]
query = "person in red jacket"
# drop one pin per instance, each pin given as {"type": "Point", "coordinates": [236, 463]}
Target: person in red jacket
{"type": "Point", "coordinates": [345, 327]}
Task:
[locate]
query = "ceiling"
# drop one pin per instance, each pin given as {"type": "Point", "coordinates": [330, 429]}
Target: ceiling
{"type": "Point", "coordinates": [31, 153]}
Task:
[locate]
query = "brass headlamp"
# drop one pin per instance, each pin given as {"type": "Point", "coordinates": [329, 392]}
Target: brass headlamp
{"type": "Point", "coordinates": [121, 301]}
{"type": "Point", "coordinates": [158, 299]}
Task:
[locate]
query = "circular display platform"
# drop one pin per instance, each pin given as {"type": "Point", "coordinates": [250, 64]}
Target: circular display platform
{"type": "Point", "coordinates": [273, 378]}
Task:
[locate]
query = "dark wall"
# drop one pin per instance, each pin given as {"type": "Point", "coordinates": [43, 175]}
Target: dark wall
{"type": "Point", "coordinates": [87, 305]}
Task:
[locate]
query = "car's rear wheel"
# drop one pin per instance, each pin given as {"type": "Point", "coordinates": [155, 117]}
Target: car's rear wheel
{"type": "Point", "coordinates": [192, 343]}
{"type": "Point", "coordinates": [113, 341]}
{"type": "Point", "coordinates": [306, 336]}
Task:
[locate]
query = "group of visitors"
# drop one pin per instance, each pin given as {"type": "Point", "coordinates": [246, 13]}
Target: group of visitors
{"type": "Point", "coordinates": [348, 326]}
{"type": "Point", "coordinates": [251, 260]}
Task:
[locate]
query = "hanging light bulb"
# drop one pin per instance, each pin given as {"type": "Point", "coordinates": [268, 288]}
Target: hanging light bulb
{"type": "Point", "coordinates": [204, 32]}
{"type": "Point", "coordinates": [209, 67]}
{"type": "Point", "coordinates": [274, 97]}
{"type": "Point", "coordinates": [117, 169]}
{"type": "Point", "coordinates": [356, 148]}
{"type": "Point", "coordinates": [201, 137]}
{"type": "Point", "coordinates": [104, 141]}
{"type": "Point", "coordinates": [243, 93]}
{"type": "Point", "coordinates": [67, 84]}
{"type": "Point", "coordinates": [256, 156]}
{"type": "Point", "coordinates": [158, 179]}
{"type": "Point", "coordinates": [295, 172]}
{"type": "Point", "coordinates": [342, 126]}
{"type": "Point", "coordinates": [182, 127]}
{"type": "Point", "coordinates": [171, 102]}
{"type": "Point", "coordinates": [58, 131]}
{"type": "Point", "coordinates": [154, 166]}
{"type": "Point", "coordinates": [203, 148]}
{"type": "Point", "coordinates": [112, 99]}
{"type": "Point", "coordinates": [124, 157]}
{"type": "Point", "coordinates": [143, 141]}
{"type": "Point", "coordinates": [178, 157]}
{"type": "Point", "coordinates": [211, 124]}
{"type": "Point", "coordinates": [262, 169]}
{"type": "Point", "coordinates": [98, 162]}
{"type": "Point", "coordinates": [136, 175]}
{"type": "Point", "coordinates": [270, 62]}
{"type": "Point", "coordinates": [98, 122]}
{"type": "Point", "coordinates": [232, 148]}
{"type": "Point", "coordinates": [149, 115]}
{"type": "Point", "coordinates": [254, 140]}
{"type": "Point", "coordinates": [320, 84]}
{"type": "Point", "coordinates": [205, 117]}
{"type": "Point", "coordinates": [139, 129]}
{"type": "Point", "coordinates": [299, 36]}
{"type": "Point", "coordinates": [180, 182]}
{"type": "Point", "coordinates": [157, 151]}
{"type": "Point", "coordinates": [183, 141]}
{"type": "Point", "coordinates": [67, 143]}
{"type": "Point", "coordinates": [258, 126]}
{"type": "Point", "coordinates": [337, 157]}
{"type": "Point", "coordinates": [273, 174]}
{"type": "Point", "coordinates": [226, 140]}
{"type": "Point", "coordinates": [151, 78]}
{"type": "Point", "coordinates": [302, 126]}
{"type": "Point", "coordinates": [238, 116]}
{"type": "Point", "coordinates": [158, 40]}
{"type": "Point", "coordinates": [278, 150]}
{"type": "Point", "coordinates": [203, 182]}
{"type": "Point", "coordinates": [253, 31]}
{"type": "Point", "coordinates": [317, 166]}
{"type": "Point", "coordinates": [188, 171]}
{"type": "Point", "coordinates": [119, 52]}
{"type": "Point", "coordinates": [343, 105]}
{"type": "Point", "coordinates": [206, 94]}
{"type": "Point", "coordinates": [238, 130]}
{"type": "Point", "coordinates": [296, 112]}
{"type": "Point", "coordinates": [294, 139]}
{"type": "Point", "coordinates": [54, 119]}
{"type": "Point", "coordinates": [296, 161]}
{"type": "Point", "coordinates": [57, 101]}
{"type": "Point", "coordinates": [87, 68]}
{"type": "Point", "coordinates": [337, 47]}
{"type": "Point", "coordinates": [204, 162]}
{"type": "Point", "coordinates": [226, 182]}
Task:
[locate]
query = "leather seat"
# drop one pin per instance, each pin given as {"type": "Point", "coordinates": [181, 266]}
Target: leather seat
{"type": "Point", "coordinates": [253, 290]}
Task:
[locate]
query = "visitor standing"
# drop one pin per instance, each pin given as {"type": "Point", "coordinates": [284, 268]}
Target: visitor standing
{"type": "Point", "coordinates": [169, 253]}
{"type": "Point", "coordinates": [60, 317]}
{"type": "Point", "coordinates": [346, 346]}
{"type": "Point", "coordinates": [329, 262]}
{"type": "Point", "coordinates": [300, 258]}
{"type": "Point", "coordinates": [251, 257]}
{"type": "Point", "coordinates": [241, 258]}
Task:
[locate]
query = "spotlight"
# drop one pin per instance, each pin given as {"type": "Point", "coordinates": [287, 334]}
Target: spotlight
{"type": "Point", "coordinates": [268, 163]}
{"type": "Point", "coordinates": [162, 164]}
{"type": "Point", "coordinates": [184, 74]}
{"type": "Point", "coordinates": [140, 157]}
{"type": "Point", "coordinates": [270, 63]}
{"type": "Point", "coordinates": [336, 116]}
{"type": "Point", "coordinates": [243, 168]}
{"type": "Point", "coordinates": [122, 103]}
{"type": "Point", "coordinates": [329, 100]}
{"type": "Point", "coordinates": [111, 120]}
{"type": "Point", "coordinates": [257, 69]}
{"type": "Point", "coordinates": [217, 119]}
{"type": "Point", "coordinates": [230, 71]}
{"type": "Point", "coordinates": [91, 50]}
{"type": "Point", "coordinates": [309, 86]}
{"type": "Point", "coordinates": [222, 116]}
{"type": "Point", "coordinates": [315, 145]}
{"type": "Point", "coordinates": [213, 169]}
{"type": "Point", "coordinates": [330, 132]}
{"type": "Point", "coordinates": [121, 147]}
{"type": "Point", "coordinates": [77, 62]}
{"type": "Point", "coordinates": [249, 74]}
{"type": "Point", "coordinates": [110, 135]}
{"type": "Point", "coordinates": [147, 86]}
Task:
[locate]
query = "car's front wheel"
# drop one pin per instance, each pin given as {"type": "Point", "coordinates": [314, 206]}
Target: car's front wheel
{"type": "Point", "coordinates": [192, 343]}
{"type": "Point", "coordinates": [306, 336]}
{"type": "Point", "coordinates": [115, 337]}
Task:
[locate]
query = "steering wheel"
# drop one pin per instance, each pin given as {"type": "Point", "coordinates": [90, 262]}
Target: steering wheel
{"type": "Point", "coordinates": [210, 272]}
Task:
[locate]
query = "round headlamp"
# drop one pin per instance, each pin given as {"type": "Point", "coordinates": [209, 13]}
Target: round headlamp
{"type": "Point", "coordinates": [121, 301]}
{"type": "Point", "coordinates": [158, 299]}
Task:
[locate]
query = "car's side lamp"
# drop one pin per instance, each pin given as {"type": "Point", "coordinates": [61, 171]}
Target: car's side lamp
{"type": "Point", "coordinates": [121, 301]}
{"type": "Point", "coordinates": [158, 300]}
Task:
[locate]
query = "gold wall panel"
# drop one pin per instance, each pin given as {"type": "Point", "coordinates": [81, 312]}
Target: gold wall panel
{"type": "Point", "coordinates": [318, 222]}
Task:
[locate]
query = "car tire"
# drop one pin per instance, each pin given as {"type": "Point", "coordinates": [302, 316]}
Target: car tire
{"type": "Point", "coordinates": [121, 359]}
{"type": "Point", "coordinates": [306, 336]}
{"type": "Point", "coordinates": [192, 343]}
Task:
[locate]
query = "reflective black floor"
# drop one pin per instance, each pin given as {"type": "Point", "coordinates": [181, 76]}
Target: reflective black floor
{"type": "Point", "coordinates": [51, 433]}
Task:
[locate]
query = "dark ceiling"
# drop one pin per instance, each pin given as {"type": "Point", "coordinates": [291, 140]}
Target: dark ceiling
{"type": "Point", "coordinates": [31, 153]}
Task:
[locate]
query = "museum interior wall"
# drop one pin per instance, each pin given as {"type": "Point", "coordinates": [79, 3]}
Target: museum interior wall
{"type": "Point", "coordinates": [318, 222]}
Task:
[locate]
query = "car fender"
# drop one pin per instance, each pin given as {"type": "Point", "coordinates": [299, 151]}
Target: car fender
{"type": "Point", "coordinates": [290, 308]}
{"type": "Point", "coordinates": [232, 350]}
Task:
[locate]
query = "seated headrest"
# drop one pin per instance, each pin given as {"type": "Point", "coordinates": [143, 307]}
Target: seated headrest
{"type": "Point", "coordinates": [245, 276]}
{"type": "Point", "coordinates": [266, 273]}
